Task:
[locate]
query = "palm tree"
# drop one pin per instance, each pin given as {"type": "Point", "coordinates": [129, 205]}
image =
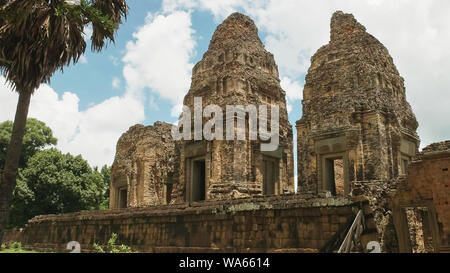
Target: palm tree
{"type": "Point", "coordinates": [38, 37]}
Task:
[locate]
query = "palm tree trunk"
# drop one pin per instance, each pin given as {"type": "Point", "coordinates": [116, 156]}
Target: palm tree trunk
{"type": "Point", "coordinates": [8, 181]}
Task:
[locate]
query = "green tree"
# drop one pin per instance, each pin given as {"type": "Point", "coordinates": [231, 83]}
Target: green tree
{"type": "Point", "coordinates": [37, 137]}
{"type": "Point", "coordinates": [37, 38]}
{"type": "Point", "coordinates": [54, 183]}
{"type": "Point", "coordinates": [106, 175]}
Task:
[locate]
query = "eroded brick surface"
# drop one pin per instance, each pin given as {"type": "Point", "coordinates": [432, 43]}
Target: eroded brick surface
{"type": "Point", "coordinates": [237, 70]}
{"type": "Point", "coordinates": [289, 223]}
{"type": "Point", "coordinates": [355, 108]}
{"type": "Point", "coordinates": [357, 149]}
{"type": "Point", "coordinates": [427, 186]}
{"type": "Point", "coordinates": [145, 166]}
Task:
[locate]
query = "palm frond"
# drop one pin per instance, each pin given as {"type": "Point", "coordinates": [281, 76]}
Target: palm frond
{"type": "Point", "coordinates": [115, 10]}
{"type": "Point", "coordinates": [38, 37]}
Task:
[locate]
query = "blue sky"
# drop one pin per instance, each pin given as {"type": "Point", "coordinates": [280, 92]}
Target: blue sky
{"type": "Point", "coordinates": [101, 68]}
{"type": "Point", "coordinates": [143, 77]}
{"type": "Point", "coordinates": [98, 70]}
{"type": "Point", "coordinates": [97, 74]}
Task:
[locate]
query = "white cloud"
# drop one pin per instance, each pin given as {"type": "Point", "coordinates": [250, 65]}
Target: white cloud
{"type": "Point", "coordinates": [44, 105]}
{"type": "Point", "coordinates": [87, 32]}
{"type": "Point", "coordinates": [219, 8]}
{"type": "Point", "coordinates": [83, 60]}
{"type": "Point", "coordinates": [158, 58]}
{"type": "Point", "coordinates": [415, 32]}
{"type": "Point", "coordinates": [92, 133]}
{"type": "Point", "coordinates": [173, 5]}
{"type": "Point", "coordinates": [288, 107]}
{"type": "Point", "coordinates": [114, 60]}
{"type": "Point", "coordinates": [8, 101]}
{"type": "Point", "coordinates": [115, 83]}
{"type": "Point", "coordinates": [152, 104]}
{"type": "Point", "coordinates": [177, 110]}
{"type": "Point", "coordinates": [100, 127]}
{"type": "Point", "coordinates": [294, 91]}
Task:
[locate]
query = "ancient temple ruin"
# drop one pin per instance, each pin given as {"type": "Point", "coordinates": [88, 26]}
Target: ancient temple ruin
{"type": "Point", "coordinates": [356, 125]}
{"type": "Point", "coordinates": [357, 135]}
{"type": "Point", "coordinates": [361, 177]}
{"type": "Point", "coordinates": [235, 71]}
{"type": "Point", "coordinates": [420, 205]}
{"type": "Point", "coordinates": [144, 167]}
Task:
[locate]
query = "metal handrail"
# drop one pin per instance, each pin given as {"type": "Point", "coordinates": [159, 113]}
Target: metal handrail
{"type": "Point", "coordinates": [354, 233]}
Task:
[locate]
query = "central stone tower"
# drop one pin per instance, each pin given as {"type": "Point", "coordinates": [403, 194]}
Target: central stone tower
{"type": "Point", "coordinates": [236, 70]}
{"type": "Point", "coordinates": [356, 126]}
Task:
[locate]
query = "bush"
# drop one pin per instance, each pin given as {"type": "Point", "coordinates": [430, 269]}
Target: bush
{"type": "Point", "coordinates": [13, 246]}
{"type": "Point", "coordinates": [112, 247]}
{"type": "Point", "coordinates": [54, 183]}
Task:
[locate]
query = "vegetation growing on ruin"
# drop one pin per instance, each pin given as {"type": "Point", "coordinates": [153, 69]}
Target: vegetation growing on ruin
{"type": "Point", "coordinates": [14, 247]}
{"type": "Point", "coordinates": [112, 246]}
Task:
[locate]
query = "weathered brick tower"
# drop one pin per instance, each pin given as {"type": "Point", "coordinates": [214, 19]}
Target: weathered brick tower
{"type": "Point", "coordinates": [356, 138]}
{"type": "Point", "coordinates": [357, 125]}
{"type": "Point", "coordinates": [236, 70]}
{"type": "Point", "coordinates": [144, 167]}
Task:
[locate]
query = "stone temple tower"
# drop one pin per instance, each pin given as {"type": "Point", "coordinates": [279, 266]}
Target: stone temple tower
{"type": "Point", "coordinates": [235, 70]}
{"type": "Point", "coordinates": [357, 126]}
{"type": "Point", "coordinates": [145, 167]}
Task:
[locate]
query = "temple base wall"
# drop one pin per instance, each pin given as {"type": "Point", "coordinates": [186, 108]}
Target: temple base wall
{"type": "Point", "coordinates": [287, 223]}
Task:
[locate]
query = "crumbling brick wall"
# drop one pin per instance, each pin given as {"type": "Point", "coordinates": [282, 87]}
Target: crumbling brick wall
{"type": "Point", "coordinates": [426, 186]}
{"type": "Point", "coordinates": [145, 165]}
{"type": "Point", "coordinates": [294, 223]}
{"type": "Point", "coordinates": [355, 109]}
{"type": "Point", "coordinates": [237, 70]}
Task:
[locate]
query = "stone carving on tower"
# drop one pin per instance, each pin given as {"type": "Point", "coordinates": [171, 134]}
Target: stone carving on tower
{"type": "Point", "coordinates": [236, 70]}
{"type": "Point", "coordinates": [357, 125]}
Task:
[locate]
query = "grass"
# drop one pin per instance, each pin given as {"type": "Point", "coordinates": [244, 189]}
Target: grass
{"type": "Point", "coordinates": [16, 251]}
{"type": "Point", "coordinates": [15, 247]}
{"type": "Point", "coordinates": [111, 247]}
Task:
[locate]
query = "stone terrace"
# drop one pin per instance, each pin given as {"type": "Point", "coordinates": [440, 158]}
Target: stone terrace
{"type": "Point", "coordinates": [287, 223]}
